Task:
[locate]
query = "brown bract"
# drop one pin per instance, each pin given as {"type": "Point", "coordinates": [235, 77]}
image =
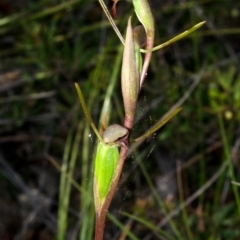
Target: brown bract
{"type": "Point", "coordinates": [130, 78]}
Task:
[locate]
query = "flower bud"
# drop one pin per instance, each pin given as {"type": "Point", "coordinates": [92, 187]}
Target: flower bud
{"type": "Point", "coordinates": [130, 78]}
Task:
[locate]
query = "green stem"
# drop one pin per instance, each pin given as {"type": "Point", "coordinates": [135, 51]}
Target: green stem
{"type": "Point", "coordinates": [228, 158]}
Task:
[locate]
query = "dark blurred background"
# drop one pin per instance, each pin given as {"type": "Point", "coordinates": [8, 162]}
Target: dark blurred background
{"type": "Point", "coordinates": [46, 46]}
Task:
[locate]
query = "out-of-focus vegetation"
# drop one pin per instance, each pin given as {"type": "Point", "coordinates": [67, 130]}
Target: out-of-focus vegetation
{"type": "Point", "coordinates": [46, 46]}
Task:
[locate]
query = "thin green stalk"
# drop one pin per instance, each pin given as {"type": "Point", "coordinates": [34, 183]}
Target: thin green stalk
{"type": "Point", "coordinates": [176, 38]}
{"type": "Point", "coordinates": [62, 211]}
{"type": "Point", "coordinates": [200, 113]}
{"type": "Point", "coordinates": [72, 162]}
{"type": "Point", "coordinates": [86, 207]}
{"type": "Point", "coordinates": [112, 84]}
{"type": "Point", "coordinates": [182, 200]}
{"type": "Point", "coordinates": [110, 19]}
{"type": "Point", "coordinates": [229, 159]}
{"type": "Point", "coordinates": [157, 231]}
{"type": "Point", "coordinates": [122, 227]}
{"type": "Point", "coordinates": [54, 9]}
{"type": "Point", "coordinates": [202, 172]}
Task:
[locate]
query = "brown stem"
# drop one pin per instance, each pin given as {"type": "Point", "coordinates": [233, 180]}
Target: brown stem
{"type": "Point", "coordinates": [99, 226]}
{"type": "Point", "coordinates": [128, 123]}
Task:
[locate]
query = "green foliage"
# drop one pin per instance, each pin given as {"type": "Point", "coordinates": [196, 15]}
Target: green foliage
{"type": "Point", "coordinates": [223, 93]}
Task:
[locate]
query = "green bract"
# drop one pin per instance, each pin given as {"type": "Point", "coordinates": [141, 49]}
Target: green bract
{"type": "Point", "coordinates": [105, 165]}
{"type": "Point", "coordinates": [129, 77]}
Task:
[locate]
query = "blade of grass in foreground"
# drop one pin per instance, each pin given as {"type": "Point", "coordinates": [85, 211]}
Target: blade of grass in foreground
{"type": "Point", "coordinates": [158, 231]}
{"type": "Point", "coordinates": [122, 227]}
{"type": "Point", "coordinates": [63, 197]}
{"type": "Point", "coordinates": [86, 203]}
{"type": "Point", "coordinates": [158, 126]}
{"type": "Point", "coordinates": [229, 159]}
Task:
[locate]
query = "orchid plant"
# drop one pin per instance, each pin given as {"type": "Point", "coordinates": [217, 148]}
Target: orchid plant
{"type": "Point", "coordinates": [114, 141]}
